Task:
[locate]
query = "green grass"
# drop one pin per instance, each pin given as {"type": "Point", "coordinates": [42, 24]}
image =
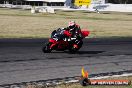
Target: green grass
{"type": "Point", "coordinates": [16, 23]}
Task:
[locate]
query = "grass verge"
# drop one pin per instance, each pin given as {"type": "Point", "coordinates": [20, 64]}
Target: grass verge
{"type": "Point", "coordinates": [22, 24]}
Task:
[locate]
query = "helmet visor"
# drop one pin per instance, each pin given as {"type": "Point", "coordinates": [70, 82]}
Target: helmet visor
{"type": "Point", "coordinates": [72, 27]}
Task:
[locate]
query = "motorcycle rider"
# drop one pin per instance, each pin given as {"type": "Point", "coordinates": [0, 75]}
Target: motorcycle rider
{"type": "Point", "coordinates": [73, 30]}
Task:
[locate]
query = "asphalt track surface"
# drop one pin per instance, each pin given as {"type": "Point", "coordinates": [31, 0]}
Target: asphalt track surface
{"type": "Point", "coordinates": [22, 60]}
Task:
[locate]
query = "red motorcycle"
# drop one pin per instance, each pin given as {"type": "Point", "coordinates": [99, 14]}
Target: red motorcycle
{"type": "Point", "coordinates": [60, 43]}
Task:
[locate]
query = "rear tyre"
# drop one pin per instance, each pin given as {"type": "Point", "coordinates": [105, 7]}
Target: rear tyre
{"type": "Point", "coordinates": [80, 44]}
{"type": "Point", "coordinates": [46, 48]}
{"type": "Point", "coordinates": [73, 49]}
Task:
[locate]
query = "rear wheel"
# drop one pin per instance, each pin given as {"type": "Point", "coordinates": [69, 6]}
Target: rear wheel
{"type": "Point", "coordinates": [80, 43]}
{"type": "Point", "coordinates": [75, 49]}
{"type": "Point", "coordinates": [46, 48]}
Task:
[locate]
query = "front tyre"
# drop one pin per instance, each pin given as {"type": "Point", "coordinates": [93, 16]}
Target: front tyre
{"type": "Point", "coordinates": [46, 48]}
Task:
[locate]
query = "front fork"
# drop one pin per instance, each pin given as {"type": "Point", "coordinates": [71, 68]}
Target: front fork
{"type": "Point", "coordinates": [53, 43]}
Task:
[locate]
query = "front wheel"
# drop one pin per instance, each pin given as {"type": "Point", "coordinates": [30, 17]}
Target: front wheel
{"type": "Point", "coordinates": [46, 48]}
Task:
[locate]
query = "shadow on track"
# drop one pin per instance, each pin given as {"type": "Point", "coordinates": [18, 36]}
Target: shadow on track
{"type": "Point", "coordinates": [79, 52]}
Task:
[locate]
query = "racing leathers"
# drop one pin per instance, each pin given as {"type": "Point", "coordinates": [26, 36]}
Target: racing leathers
{"type": "Point", "coordinates": [74, 33]}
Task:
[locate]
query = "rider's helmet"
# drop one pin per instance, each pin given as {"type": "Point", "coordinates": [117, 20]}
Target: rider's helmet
{"type": "Point", "coordinates": [71, 25]}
